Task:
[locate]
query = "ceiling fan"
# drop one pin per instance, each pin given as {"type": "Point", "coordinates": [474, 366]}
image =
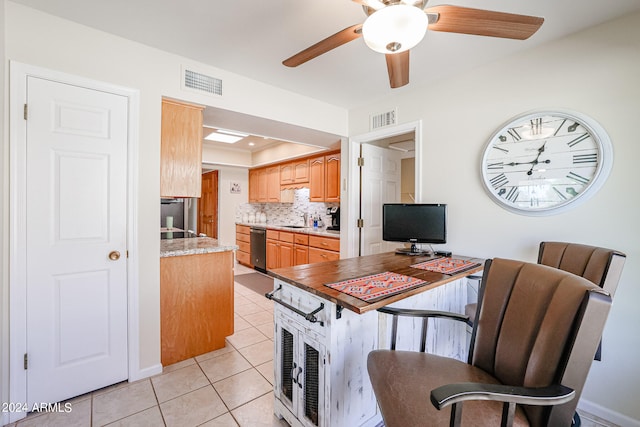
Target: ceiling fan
{"type": "Point", "coordinates": [393, 27]}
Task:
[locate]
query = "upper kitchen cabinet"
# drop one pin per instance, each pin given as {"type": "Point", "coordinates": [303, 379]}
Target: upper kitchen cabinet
{"type": "Point", "coordinates": [181, 150]}
{"type": "Point", "coordinates": [295, 172]}
{"type": "Point", "coordinates": [324, 178]}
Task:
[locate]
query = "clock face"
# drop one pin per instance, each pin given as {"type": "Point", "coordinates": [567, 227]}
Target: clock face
{"type": "Point", "coordinates": [540, 163]}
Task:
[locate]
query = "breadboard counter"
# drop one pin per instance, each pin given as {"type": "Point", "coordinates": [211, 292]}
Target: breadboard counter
{"type": "Point", "coordinates": [323, 336]}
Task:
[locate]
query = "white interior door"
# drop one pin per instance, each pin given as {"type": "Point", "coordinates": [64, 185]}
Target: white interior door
{"type": "Point", "coordinates": [75, 218]}
{"type": "Point", "coordinates": [380, 184]}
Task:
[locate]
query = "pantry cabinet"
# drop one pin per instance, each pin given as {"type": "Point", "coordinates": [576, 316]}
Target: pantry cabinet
{"type": "Point", "coordinates": [180, 150]}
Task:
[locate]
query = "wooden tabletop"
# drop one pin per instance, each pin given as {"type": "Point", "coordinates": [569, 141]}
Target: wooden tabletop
{"type": "Point", "coordinates": [313, 277]}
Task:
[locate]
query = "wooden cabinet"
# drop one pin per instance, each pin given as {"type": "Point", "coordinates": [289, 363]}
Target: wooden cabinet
{"type": "Point", "coordinates": [243, 240]}
{"type": "Point", "coordinates": [322, 173]}
{"type": "Point", "coordinates": [180, 150]}
{"type": "Point", "coordinates": [324, 178]}
{"type": "Point", "coordinates": [300, 249]}
{"type": "Point", "coordinates": [332, 178]}
{"type": "Point", "coordinates": [323, 249]}
{"type": "Point", "coordinates": [316, 179]}
{"type": "Point", "coordinates": [196, 304]}
{"type": "Point", "coordinates": [253, 186]}
{"type": "Point", "coordinates": [264, 185]}
{"type": "Point", "coordinates": [295, 172]}
{"type": "Point", "coordinates": [273, 184]}
{"type": "Point", "coordinates": [279, 249]}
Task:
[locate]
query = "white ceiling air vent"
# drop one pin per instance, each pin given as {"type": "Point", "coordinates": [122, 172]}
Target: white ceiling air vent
{"type": "Point", "coordinates": [202, 82]}
{"type": "Point", "coordinates": [380, 120]}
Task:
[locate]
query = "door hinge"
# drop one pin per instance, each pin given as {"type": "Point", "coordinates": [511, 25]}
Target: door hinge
{"type": "Point", "coordinates": [25, 111]}
{"type": "Point", "coordinates": [360, 223]}
{"type": "Point", "coordinates": [127, 254]}
{"type": "Point", "coordinates": [26, 361]}
{"type": "Point", "coordinates": [360, 161]}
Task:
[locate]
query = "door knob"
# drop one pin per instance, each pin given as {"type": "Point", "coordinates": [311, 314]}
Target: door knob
{"type": "Point", "coordinates": [114, 255]}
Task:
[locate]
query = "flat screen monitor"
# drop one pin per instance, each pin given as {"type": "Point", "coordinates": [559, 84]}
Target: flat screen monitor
{"type": "Point", "coordinates": [414, 223]}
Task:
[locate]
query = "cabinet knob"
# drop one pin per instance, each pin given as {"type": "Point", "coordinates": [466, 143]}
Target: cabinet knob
{"type": "Point", "coordinates": [114, 255]}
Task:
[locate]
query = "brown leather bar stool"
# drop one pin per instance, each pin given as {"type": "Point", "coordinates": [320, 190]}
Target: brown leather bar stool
{"type": "Point", "coordinates": [528, 360]}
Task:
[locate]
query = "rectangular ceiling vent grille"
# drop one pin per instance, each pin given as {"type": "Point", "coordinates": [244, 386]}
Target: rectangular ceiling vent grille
{"type": "Point", "coordinates": [380, 120]}
{"type": "Point", "coordinates": [202, 82]}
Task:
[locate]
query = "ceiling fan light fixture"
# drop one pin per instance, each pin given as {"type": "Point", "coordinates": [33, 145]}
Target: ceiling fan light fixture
{"type": "Point", "coordinates": [395, 28]}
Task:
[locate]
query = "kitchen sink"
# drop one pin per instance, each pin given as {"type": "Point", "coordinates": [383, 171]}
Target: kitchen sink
{"type": "Point", "coordinates": [293, 226]}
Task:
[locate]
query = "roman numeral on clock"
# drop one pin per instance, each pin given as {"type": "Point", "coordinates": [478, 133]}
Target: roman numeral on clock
{"type": "Point", "coordinates": [578, 140]}
{"type": "Point", "coordinates": [514, 134]}
{"type": "Point", "coordinates": [512, 195]}
{"type": "Point", "coordinates": [585, 158]}
{"type": "Point", "coordinates": [499, 165]}
{"type": "Point", "coordinates": [578, 178]}
{"type": "Point", "coordinates": [559, 193]}
{"type": "Point", "coordinates": [498, 181]}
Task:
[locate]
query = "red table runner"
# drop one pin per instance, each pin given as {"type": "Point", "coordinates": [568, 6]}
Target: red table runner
{"type": "Point", "coordinates": [376, 286]}
{"type": "Point", "coordinates": [447, 265]}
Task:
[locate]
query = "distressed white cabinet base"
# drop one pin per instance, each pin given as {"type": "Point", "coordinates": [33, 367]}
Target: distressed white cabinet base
{"type": "Point", "coordinates": [337, 384]}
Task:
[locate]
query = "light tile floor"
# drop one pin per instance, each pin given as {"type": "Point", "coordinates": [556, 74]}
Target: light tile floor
{"type": "Point", "coordinates": [232, 386]}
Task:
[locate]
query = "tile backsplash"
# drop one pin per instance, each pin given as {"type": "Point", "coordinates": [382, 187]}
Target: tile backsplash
{"type": "Point", "coordinates": [288, 213]}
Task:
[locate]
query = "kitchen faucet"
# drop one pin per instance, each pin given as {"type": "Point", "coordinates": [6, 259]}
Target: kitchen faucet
{"type": "Point", "coordinates": [305, 218]}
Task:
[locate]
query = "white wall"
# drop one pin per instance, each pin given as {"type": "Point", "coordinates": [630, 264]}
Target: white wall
{"type": "Point", "coordinates": [594, 72]}
{"type": "Point", "coordinates": [4, 228]}
{"type": "Point", "coordinates": [228, 203]}
{"type": "Point", "coordinates": [43, 40]}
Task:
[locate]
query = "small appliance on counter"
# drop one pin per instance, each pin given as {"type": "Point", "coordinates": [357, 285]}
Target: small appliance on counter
{"type": "Point", "coordinates": [335, 218]}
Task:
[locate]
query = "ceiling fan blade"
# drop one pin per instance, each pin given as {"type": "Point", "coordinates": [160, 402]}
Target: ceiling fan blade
{"type": "Point", "coordinates": [457, 19]}
{"type": "Point", "coordinates": [398, 68]}
{"type": "Point", "coordinates": [338, 39]}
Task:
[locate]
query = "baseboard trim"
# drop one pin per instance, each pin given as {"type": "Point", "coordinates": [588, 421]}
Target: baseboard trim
{"type": "Point", "coordinates": [607, 414]}
{"type": "Point", "coordinates": [145, 373]}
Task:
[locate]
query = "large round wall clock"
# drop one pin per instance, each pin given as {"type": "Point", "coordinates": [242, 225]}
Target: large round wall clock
{"type": "Point", "coordinates": [542, 163]}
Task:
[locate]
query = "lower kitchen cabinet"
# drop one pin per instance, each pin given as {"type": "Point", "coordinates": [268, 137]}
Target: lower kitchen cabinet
{"type": "Point", "coordinates": [323, 249]}
{"type": "Point", "coordinates": [243, 240]}
{"type": "Point", "coordinates": [196, 304]}
{"type": "Point", "coordinates": [279, 249]}
{"type": "Point", "coordinates": [300, 249]}
{"type": "Point", "coordinates": [321, 367]}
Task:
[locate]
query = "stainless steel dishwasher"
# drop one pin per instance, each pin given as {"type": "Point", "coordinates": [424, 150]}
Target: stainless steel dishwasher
{"type": "Point", "coordinates": [259, 248]}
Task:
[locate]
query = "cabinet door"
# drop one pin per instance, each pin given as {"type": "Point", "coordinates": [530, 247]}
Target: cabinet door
{"type": "Point", "coordinates": [316, 179]}
{"type": "Point", "coordinates": [300, 372]}
{"type": "Point", "coordinates": [263, 194]}
{"type": "Point", "coordinates": [253, 186]}
{"type": "Point", "coordinates": [286, 254]}
{"type": "Point", "coordinates": [301, 171]}
{"type": "Point", "coordinates": [180, 150]}
{"type": "Point", "coordinates": [300, 254]}
{"type": "Point", "coordinates": [332, 178]}
{"type": "Point", "coordinates": [286, 173]}
{"type": "Point", "coordinates": [273, 254]}
{"type": "Point", "coordinates": [273, 184]}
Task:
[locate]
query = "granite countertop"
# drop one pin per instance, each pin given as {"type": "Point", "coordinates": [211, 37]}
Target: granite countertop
{"type": "Point", "coordinates": [192, 246]}
{"type": "Point", "coordinates": [321, 231]}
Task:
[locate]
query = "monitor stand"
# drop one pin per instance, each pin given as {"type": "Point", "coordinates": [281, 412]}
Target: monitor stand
{"type": "Point", "coordinates": [413, 250]}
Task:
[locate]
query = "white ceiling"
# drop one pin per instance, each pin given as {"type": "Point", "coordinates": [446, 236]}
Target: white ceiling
{"type": "Point", "coordinates": [253, 37]}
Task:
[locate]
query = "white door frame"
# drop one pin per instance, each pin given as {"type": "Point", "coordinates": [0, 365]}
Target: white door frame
{"type": "Point", "coordinates": [17, 221]}
{"type": "Point", "coordinates": [353, 184]}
